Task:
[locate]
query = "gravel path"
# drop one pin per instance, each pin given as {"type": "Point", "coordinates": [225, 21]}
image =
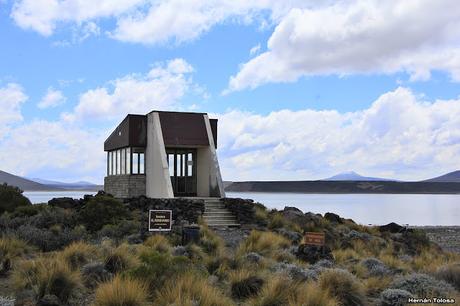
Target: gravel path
{"type": "Point", "coordinates": [447, 237]}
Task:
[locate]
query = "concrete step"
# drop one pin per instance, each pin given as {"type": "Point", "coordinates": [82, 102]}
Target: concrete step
{"type": "Point", "coordinates": [218, 213]}
{"type": "Point", "coordinates": [214, 220]}
{"type": "Point", "coordinates": [224, 225]}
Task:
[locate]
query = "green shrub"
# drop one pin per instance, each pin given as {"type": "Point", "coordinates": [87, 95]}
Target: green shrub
{"type": "Point", "coordinates": [344, 286]}
{"type": "Point", "coordinates": [28, 210]}
{"type": "Point", "coordinates": [121, 292]}
{"type": "Point", "coordinates": [155, 268]}
{"type": "Point", "coordinates": [120, 230]}
{"type": "Point", "coordinates": [101, 210]}
{"type": "Point", "coordinates": [47, 239]}
{"type": "Point", "coordinates": [11, 197]}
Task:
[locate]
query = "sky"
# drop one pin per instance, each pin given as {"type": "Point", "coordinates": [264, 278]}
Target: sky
{"type": "Point", "coordinates": [302, 89]}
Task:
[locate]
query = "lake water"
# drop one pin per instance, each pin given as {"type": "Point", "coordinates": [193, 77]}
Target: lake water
{"type": "Point", "coordinates": [412, 209]}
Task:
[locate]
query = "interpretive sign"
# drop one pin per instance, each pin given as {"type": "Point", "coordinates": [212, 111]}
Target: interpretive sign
{"type": "Point", "coordinates": [160, 220]}
{"type": "Point", "coordinates": [315, 238]}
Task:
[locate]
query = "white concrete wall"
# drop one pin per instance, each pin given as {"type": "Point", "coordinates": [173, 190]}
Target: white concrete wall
{"type": "Point", "coordinates": [158, 182]}
{"type": "Point", "coordinates": [215, 183]}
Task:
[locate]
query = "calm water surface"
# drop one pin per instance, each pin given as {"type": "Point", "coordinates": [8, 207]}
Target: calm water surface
{"type": "Point", "coordinates": [412, 209]}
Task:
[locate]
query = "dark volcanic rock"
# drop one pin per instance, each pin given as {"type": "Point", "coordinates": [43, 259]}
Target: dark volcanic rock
{"type": "Point", "coordinates": [49, 300]}
{"type": "Point", "coordinates": [333, 218]}
{"type": "Point", "coordinates": [65, 202]}
{"type": "Point", "coordinates": [392, 228]}
{"type": "Point", "coordinates": [243, 209]}
{"type": "Point", "coordinates": [313, 253]}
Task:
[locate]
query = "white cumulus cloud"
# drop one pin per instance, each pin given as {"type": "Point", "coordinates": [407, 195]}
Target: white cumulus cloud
{"type": "Point", "coordinates": [400, 135]}
{"type": "Point", "coordinates": [12, 96]}
{"type": "Point", "coordinates": [52, 98]}
{"type": "Point", "coordinates": [160, 88]}
{"type": "Point", "coordinates": [414, 36]}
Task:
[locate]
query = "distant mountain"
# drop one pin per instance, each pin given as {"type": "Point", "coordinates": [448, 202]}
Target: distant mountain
{"type": "Point", "coordinates": [74, 185]}
{"type": "Point", "coordinates": [453, 177]}
{"type": "Point", "coordinates": [353, 176]}
{"type": "Point", "coordinates": [23, 183]}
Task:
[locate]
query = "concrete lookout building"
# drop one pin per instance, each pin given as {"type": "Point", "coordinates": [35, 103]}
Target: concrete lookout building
{"type": "Point", "coordinates": [164, 155]}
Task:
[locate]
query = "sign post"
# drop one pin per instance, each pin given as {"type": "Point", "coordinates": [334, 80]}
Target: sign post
{"type": "Point", "coordinates": [160, 220]}
{"type": "Point", "coordinates": [315, 238]}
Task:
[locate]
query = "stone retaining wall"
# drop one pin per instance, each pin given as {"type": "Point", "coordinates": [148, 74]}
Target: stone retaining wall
{"type": "Point", "coordinates": [125, 186]}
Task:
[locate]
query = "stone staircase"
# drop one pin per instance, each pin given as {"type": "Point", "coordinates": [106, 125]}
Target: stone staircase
{"type": "Point", "coordinates": [216, 215]}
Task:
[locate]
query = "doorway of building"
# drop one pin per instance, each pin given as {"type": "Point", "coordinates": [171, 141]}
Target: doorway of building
{"type": "Point", "coordinates": [182, 171]}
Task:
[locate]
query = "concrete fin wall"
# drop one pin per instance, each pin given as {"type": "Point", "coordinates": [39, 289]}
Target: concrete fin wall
{"type": "Point", "coordinates": [158, 182]}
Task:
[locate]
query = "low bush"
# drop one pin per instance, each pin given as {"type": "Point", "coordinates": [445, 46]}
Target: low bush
{"type": "Point", "coordinates": [158, 243]}
{"type": "Point", "coordinates": [47, 239]}
{"type": "Point", "coordinates": [375, 267]}
{"type": "Point", "coordinates": [451, 274]}
{"type": "Point", "coordinates": [188, 290]}
{"type": "Point", "coordinates": [46, 276]}
{"type": "Point", "coordinates": [121, 291]}
{"type": "Point", "coordinates": [101, 210]}
{"type": "Point", "coordinates": [155, 268]}
{"type": "Point", "coordinates": [344, 286]}
{"type": "Point", "coordinates": [11, 197]}
{"type": "Point", "coordinates": [120, 230]}
{"type": "Point", "coordinates": [28, 210]}
{"type": "Point", "coordinates": [77, 254]}
{"type": "Point", "coordinates": [264, 243]}
{"type": "Point", "coordinates": [394, 297]}
{"type": "Point", "coordinates": [53, 216]}
{"type": "Point", "coordinates": [422, 285]}
{"type": "Point", "coordinates": [310, 294]}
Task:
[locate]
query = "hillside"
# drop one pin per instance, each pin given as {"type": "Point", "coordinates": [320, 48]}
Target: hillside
{"type": "Point", "coordinates": [353, 176]}
{"type": "Point", "coordinates": [23, 183]}
{"type": "Point", "coordinates": [346, 187]}
{"type": "Point", "coordinates": [449, 177]}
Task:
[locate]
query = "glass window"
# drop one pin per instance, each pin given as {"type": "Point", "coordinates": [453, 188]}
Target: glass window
{"type": "Point", "coordinates": [141, 163]}
{"type": "Point", "coordinates": [108, 163]}
{"type": "Point", "coordinates": [118, 162]}
{"type": "Point", "coordinates": [171, 164]}
{"type": "Point", "coordinates": [135, 163]}
{"type": "Point", "coordinates": [189, 164]}
{"type": "Point", "coordinates": [178, 167]}
{"type": "Point", "coordinates": [123, 161]}
{"type": "Point", "coordinates": [128, 161]}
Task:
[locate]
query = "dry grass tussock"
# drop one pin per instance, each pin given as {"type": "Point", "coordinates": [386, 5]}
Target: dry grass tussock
{"type": "Point", "coordinates": [191, 289]}
{"type": "Point", "coordinates": [121, 291]}
{"type": "Point", "coordinates": [310, 294]}
{"type": "Point", "coordinates": [373, 286]}
{"type": "Point", "coordinates": [46, 276]}
{"type": "Point", "coordinates": [277, 291]}
{"type": "Point", "coordinates": [265, 243]}
{"type": "Point", "coordinates": [158, 243]}
{"type": "Point", "coordinates": [344, 286]}
{"type": "Point", "coordinates": [121, 258]}
{"type": "Point", "coordinates": [77, 254]}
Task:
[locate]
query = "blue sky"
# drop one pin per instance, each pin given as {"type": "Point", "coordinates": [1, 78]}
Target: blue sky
{"type": "Point", "coordinates": [302, 90]}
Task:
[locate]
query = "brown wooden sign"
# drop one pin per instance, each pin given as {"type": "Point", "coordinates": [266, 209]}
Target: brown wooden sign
{"type": "Point", "coordinates": [314, 238]}
{"type": "Point", "coordinates": [160, 220]}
